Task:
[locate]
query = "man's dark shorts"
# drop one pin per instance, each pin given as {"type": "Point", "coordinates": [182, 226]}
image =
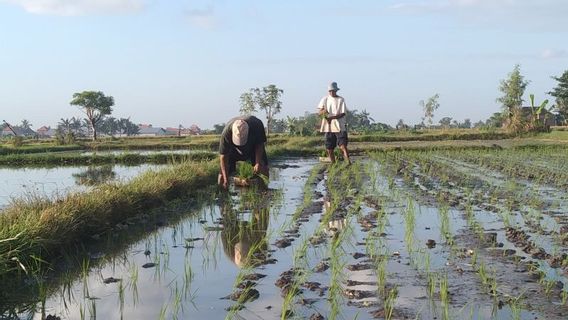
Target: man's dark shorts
{"type": "Point", "coordinates": [333, 139]}
{"type": "Point", "coordinates": [235, 156]}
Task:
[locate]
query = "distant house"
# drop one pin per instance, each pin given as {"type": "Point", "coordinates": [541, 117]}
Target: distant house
{"type": "Point", "coordinates": [171, 131]}
{"type": "Point", "coordinates": [146, 130]}
{"type": "Point", "coordinates": [193, 130]}
{"type": "Point", "coordinates": [21, 132]}
{"type": "Point", "coordinates": [45, 132]}
{"type": "Point", "coordinates": [546, 117]}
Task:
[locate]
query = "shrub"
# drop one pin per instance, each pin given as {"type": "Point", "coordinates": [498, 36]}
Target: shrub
{"type": "Point", "coordinates": [18, 141]}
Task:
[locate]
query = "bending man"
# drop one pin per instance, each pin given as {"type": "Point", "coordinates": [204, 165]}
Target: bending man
{"type": "Point", "coordinates": [242, 139]}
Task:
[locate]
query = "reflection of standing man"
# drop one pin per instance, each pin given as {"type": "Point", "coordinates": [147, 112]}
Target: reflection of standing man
{"type": "Point", "coordinates": [333, 108]}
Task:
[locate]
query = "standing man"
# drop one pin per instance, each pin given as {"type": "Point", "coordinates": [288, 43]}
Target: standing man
{"type": "Point", "coordinates": [242, 139]}
{"type": "Point", "coordinates": [332, 108]}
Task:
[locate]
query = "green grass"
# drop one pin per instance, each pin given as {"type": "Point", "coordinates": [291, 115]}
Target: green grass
{"type": "Point", "coordinates": [59, 159]}
{"type": "Point", "coordinates": [39, 230]}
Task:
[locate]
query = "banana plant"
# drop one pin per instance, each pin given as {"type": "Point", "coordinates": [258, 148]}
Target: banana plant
{"type": "Point", "coordinates": [536, 111]}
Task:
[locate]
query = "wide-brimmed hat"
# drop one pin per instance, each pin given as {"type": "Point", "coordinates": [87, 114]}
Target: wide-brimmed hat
{"type": "Point", "coordinates": [332, 87]}
{"type": "Point", "coordinates": [240, 129]}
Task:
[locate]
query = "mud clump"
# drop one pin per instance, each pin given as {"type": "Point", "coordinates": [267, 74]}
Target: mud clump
{"type": "Point", "coordinates": [317, 239]}
{"type": "Point", "coordinates": [316, 316]}
{"type": "Point", "coordinates": [148, 265]}
{"type": "Point", "coordinates": [247, 284]}
{"type": "Point", "coordinates": [290, 290]}
{"type": "Point", "coordinates": [307, 302]}
{"type": "Point", "coordinates": [358, 294]}
{"type": "Point", "coordinates": [321, 266]}
{"type": "Point", "coordinates": [352, 283]}
{"type": "Point", "coordinates": [358, 255]}
{"type": "Point", "coordinates": [283, 243]}
{"type": "Point", "coordinates": [254, 276]}
{"type": "Point", "coordinates": [244, 295]}
{"type": "Point", "coordinates": [359, 267]}
{"type": "Point", "coordinates": [111, 280]}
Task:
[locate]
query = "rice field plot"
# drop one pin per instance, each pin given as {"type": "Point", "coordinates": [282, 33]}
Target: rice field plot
{"type": "Point", "coordinates": [515, 234]}
{"type": "Point", "coordinates": [396, 235]}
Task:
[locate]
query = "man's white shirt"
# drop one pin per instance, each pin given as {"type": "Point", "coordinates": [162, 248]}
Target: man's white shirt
{"type": "Point", "coordinates": [334, 107]}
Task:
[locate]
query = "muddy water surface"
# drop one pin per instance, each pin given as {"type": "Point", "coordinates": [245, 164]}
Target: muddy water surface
{"type": "Point", "coordinates": [262, 254]}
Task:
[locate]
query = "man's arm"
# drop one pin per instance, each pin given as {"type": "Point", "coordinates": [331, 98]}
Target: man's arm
{"type": "Point", "coordinates": [260, 166]}
{"type": "Point", "coordinates": [321, 107]}
{"type": "Point", "coordinates": [341, 115]}
{"type": "Point", "coordinates": [224, 164]}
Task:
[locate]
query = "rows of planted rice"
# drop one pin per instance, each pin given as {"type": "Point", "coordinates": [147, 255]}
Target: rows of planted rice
{"type": "Point", "coordinates": [446, 234]}
{"type": "Point", "coordinates": [524, 218]}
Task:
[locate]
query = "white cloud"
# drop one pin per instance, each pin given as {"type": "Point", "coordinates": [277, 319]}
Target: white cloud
{"type": "Point", "coordinates": [554, 54]}
{"type": "Point", "coordinates": [203, 18]}
{"type": "Point", "coordinates": [454, 4]}
{"type": "Point", "coordinates": [530, 15]}
{"type": "Point", "coordinates": [78, 7]}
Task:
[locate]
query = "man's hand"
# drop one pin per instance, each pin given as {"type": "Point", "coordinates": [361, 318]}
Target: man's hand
{"type": "Point", "coordinates": [221, 181]}
{"type": "Point", "coordinates": [260, 168]}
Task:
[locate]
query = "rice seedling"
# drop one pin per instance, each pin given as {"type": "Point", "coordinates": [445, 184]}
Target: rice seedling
{"type": "Point", "coordinates": [390, 301]}
{"type": "Point", "coordinates": [133, 283]}
{"type": "Point", "coordinates": [482, 272]}
{"type": "Point", "coordinates": [121, 298]}
{"type": "Point", "coordinates": [431, 282]}
{"type": "Point", "coordinates": [382, 274]}
{"type": "Point", "coordinates": [163, 312]}
{"type": "Point", "coordinates": [515, 305]}
{"type": "Point", "coordinates": [443, 281]}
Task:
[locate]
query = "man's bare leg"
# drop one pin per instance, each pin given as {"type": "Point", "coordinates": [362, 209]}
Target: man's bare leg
{"type": "Point", "coordinates": [331, 155]}
{"type": "Point", "coordinates": [345, 153]}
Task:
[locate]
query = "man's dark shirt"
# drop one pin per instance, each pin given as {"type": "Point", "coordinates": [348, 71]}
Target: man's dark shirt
{"type": "Point", "coordinates": [256, 136]}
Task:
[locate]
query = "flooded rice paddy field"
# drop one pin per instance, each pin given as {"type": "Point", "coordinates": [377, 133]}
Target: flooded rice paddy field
{"type": "Point", "coordinates": [33, 182]}
{"type": "Point", "coordinates": [399, 235]}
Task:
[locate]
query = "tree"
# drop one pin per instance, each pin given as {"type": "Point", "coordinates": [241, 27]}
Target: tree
{"type": "Point", "coordinates": [513, 89]}
{"type": "Point", "coordinates": [95, 105]}
{"type": "Point", "coordinates": [109, 126]}
{"type": "Point", "coordinates": [400, 125]}
{"type": "Point", "coordinates": [496, 120]}
{"type": "Point", "coordinates": [278, 126]}
{"type": "Point", "coordinates": [218, 128]}
{"type": "Point", "coordinates": [266, 99]}
{"type": "Point", "coordinates": [560, 92]}
{"type": "Point", "coordinates": [131, 128]}
{"type": "Point", "coordinates": [479, 124]}
{"type": "Point", "coordinates": [446, 122]}
{"type": "Point", "coordinates": [538, 122]}
{"type": "Point", "coordinates": [466, 124]}
{"type": "Point", "coordinates": [358, 121]}
{"type": "Point", "coordinates": [248, 105]}
{"type": "Point", "coordinates": [26, 124]}
{"type": "Point", "coordinates": [429, 107]}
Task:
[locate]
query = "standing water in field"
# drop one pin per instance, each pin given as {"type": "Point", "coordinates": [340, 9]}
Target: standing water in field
{"type": "Point", "coordinates": [34, 182]}
{"type": "Point", "coordinates": [385, 238]}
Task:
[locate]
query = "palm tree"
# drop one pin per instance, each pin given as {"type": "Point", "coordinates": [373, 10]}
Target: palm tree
{"type": "Point", "coordinates": [65, 124]}
{"type": "Point", "coordinates": [26, 124]}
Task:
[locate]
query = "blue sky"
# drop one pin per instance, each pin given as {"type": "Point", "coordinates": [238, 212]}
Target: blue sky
{"type": "Point", "coordinates": [187, 61]}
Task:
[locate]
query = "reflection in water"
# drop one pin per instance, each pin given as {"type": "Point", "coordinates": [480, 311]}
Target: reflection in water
{"type": "Point", "coordinates": [244, 242]}
{"type": "Point", "coordinates": [94, 175]}
{"type": "Point", "coordinates": [334, 225]}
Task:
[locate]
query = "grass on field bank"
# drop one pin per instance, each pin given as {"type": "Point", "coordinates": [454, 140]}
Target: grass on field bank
{"type": "Point", "coordinates": [211, 142]}
{"type": "Point", "coordinates": [37, 231]}
{"type": "Point", "coordinates": [79, 159]}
